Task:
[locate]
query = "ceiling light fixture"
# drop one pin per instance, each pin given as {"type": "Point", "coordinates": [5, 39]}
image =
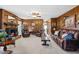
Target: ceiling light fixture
{"type": "Point", "coordinates": [35, 14]}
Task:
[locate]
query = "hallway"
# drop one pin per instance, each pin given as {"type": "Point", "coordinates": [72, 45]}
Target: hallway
{"type": "Point", "coordinates": [32, 45]}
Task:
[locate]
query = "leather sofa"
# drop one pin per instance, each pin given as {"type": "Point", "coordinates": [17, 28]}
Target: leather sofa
{"type": "Point", "coordinates": [69, 45]}
{"type": "Point", "coordinates": [38, 34]}
{"type": "Point", "coordinates": [25, 33]}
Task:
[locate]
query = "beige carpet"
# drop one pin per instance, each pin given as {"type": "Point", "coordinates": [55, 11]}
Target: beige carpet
{"type": "Point", "coordinates": [32, 45]}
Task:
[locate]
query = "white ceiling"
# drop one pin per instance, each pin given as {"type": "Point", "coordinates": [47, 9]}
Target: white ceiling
{"type": "Point", "coordinates": [46, 11]}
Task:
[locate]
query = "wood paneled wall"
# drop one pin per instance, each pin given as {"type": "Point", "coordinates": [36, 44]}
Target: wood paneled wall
{"type": "Point", "coordinates": [61, 20]}
{"type": "Point", "coordinates": [38, 23]}
{"type": "Point", "coordinates": [53, 24]}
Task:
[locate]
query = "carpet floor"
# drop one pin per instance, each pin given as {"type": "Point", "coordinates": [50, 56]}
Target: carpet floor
{"type": "Point", "coordinates": [33, 45]}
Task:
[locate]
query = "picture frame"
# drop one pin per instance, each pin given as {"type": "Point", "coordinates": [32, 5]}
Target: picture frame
{"type": "Point", "coordinates": [77, 20]}
{"type": "Point", "coordinates": [70, 22]}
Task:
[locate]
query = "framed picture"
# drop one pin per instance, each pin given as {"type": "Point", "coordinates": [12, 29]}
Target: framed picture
{"type": "Point", "coordinates": [77, 21]}
{"type": "Point", "coordinates": [70, 22]}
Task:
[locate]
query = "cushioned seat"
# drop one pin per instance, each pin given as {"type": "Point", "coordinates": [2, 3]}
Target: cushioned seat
{"type": "Point", "coordinates": [27, 34]}
{"type": "Point", "coordinates": [72, 44]}
{"type": "Point", "coordinates": [38, 34]}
